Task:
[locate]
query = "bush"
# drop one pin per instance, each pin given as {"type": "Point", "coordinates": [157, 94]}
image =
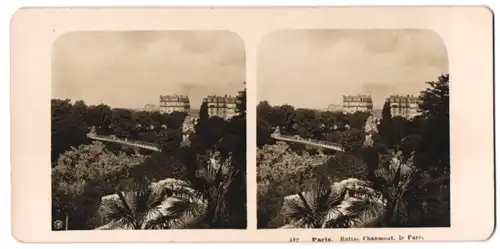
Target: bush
{"type": "Point", "coordinates": [281, 172]}
{"type": "Point", "coordinates": [84, 174]}
{"type": "Point", "coordinates": [342, 166]}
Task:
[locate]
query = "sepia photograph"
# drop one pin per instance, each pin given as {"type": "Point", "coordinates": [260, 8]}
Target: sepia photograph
{"type": "Point", "coordinates": [355, 133]}
{"type": "Point", "coordinates": [353, 129]}
{"type": "Point", "coordinates": [148, 130]}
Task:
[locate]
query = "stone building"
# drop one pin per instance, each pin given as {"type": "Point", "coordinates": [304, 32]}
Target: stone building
{"type": "Point", "coordinates": [403, 106]}
{"type": "Point", "coordinates": [174, 103]}
{"type": "Point", "coordinates": [221, 106]}
{"type": "Point", "coordinates": [357, 103]}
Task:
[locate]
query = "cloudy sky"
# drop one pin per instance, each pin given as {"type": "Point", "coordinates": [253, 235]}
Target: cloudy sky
{"type": "Point", "coordinates": [131, 69]}
{"type": "Point", "coordinates": [312, 69]}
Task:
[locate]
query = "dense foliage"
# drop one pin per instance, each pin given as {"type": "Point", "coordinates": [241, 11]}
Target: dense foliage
{"type": "Point", "coordinates": [324, 204]}
{"type": "Point", "coordinates": [84, 171]}
{"type": "Point", "coordinates": [200, 202]}
{"type": "Point", "coordinates": [307, 123]}
{"type": "Point", "coordinates": [406, 162]}
{"type": "Point", "coordinates": [84, 174]}
{"type": "Point", "coordinates": [72, 122]}
{"type": "Point", "coordinates": [281, 172]}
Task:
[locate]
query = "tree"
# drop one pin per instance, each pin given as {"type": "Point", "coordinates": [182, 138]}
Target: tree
{"type": "Point", "coordinates": [357, 120]}
{"type": "Point", "coordinates": [319, 206]}
{"type": "Point", "coordinates": [384, 127]}
{"type": "Point", "coordinates": [169, 139]}
{"type": "Point", "coordinates": [274, 115]}
{"type": "Point", "coordinates": [434, 150]}
{"type": "Point", "coordinates": [370, 156]}
{"type": "Point", "coordinates": [75, 206]}
{"type": "Point", "coordinates": [435, 100]}
{"type": "Point", "coordinates": [67, 127]}
{"type": "Point", "coordinates": [410, 144]}
{"type": "Point", "coordinates": [159, 119]}
{"type": "Point", "coordinates": [161, 165]}
{"type": "Point", "coordinates": [414, 198]}
{"type": "Point", "coordinates": [209, 132]}
{"type": "Point", "coordinates": [288, 114]}
{"type": "Point", "coordinates": [100, 117]}
{"type": "Point", "coordinates": [281, 172]}
{"type": "Point", "coordinates": [175, 120]}
{"type": "Point", "coordinates": [201, 128]}
{"type": "Point", "coordinates": [212, 183]}
{"type": "Point", "coordinates": [352, 139]}
{"type": "Point", "coordinates": [264, 131]}
{"type": "Point", "coordinates": [333, 137]}
{"type": "Point", "coordinates": [84, 174]}
{"type": "Point", "coordinates": [330, 120]}
{"type": "Point", "coordinates": [80, 110]}
{"type": "Point", "coordinates": [234, 138]}
{"type": "Point", "coordinates": [139, 207]}
{"type": "Point", "coordinates": [264, 109]}
{"type": "Point", "coordinates": [400, 128]}
{"type": "Point", "coordinates": [144, 120]}
{"type": "Point", "coordinates": [203, 116]}
{"type": "Point", "coordinates": [234, 143]}
{"type": "Point", "coordinates": [241, 102]}
{"type": "Point", "coordinates": [124, 124]}
{"type": "Point", "coordinates": [307, 124]}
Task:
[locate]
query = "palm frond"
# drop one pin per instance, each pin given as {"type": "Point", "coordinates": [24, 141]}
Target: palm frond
{"type": "Point", "coordinates": [341, 221]}
{"type": "Point", "coordinates": [332, 214]}
{"type": "Point", "coordinates": [162, 222]}
{"type": "Point", "coordinates": [180, 207]}
{"type": "Point", "coordinates": [367, 209]}
{"type": "Point", "coordinates": [186, 193]}
{"type": "Point", "coordinates": [114, 211]}
{"type": "Point", "coordinates": [294, 209]}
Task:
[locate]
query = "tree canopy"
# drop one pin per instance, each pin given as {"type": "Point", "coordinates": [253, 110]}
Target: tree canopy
{"type": "Point", "coordinates": [407, 163]}
{"type": "Point", "coordinates": [84, 171]}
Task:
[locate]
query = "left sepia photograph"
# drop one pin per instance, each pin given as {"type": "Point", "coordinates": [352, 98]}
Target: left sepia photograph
{"type": "Point", "coordinates": [148, 130]}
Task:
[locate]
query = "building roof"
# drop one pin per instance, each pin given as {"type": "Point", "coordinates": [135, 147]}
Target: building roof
{"type": "Point", "coordinates": [357, 98]}
{"type": "Point", "coordinates": [220, 99]}
{"type": "Point", "coordinates": [174, 98]}
{"type": "Point", "coordinates": [402, 99]}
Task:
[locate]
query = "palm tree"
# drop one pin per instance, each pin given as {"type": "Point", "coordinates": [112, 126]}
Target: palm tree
{"type": "Point", "coordinates": [198, 203]}
{"type": "Point", "coordinates": [138, 207]}
{"type": "Point", "coordinates": [211, 184]}
{"type": "Point", "coordinates": [325, 205]}
{"type": "Point", "coordinates": [410, 193]}
{"type": "Point", "coordinates": [392, 181]}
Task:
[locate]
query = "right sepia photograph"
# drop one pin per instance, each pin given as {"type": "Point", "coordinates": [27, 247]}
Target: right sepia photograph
{"type": "Point", "coordinates": [353, 129]}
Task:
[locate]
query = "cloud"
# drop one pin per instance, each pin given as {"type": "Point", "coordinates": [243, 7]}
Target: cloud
{"type": "Point", "coordinates": [315, 68]}
{"type": "Point", "coordinates": [131, 69]}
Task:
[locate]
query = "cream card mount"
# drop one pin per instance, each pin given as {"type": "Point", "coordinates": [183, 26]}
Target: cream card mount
{"type": "Point", "coordinates": [285, 124]}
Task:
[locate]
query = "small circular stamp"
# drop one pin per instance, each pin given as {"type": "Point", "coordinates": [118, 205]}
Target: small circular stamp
{"type": "Point", "coordinates": [58, 224]}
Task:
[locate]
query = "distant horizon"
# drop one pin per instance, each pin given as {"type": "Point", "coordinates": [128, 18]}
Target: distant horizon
{"type": "Point", "coordinates": [131, 69]}
{"type": "Point", "coordinates": [125, 107]}
{"type": "Point", "coordinates": [315, 68]}
{"type": "Point", "coordinates": [338, 104]}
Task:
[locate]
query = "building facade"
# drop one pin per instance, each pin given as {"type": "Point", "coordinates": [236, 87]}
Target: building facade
{"type": "Point", "coordinates": [221, 106]}
{"type": "Point", "coordinates": [174, 103]}
{"type": "Point", "coordinates": [404, 106]}
{"type": "Point", "coordinates": [357, 103]}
